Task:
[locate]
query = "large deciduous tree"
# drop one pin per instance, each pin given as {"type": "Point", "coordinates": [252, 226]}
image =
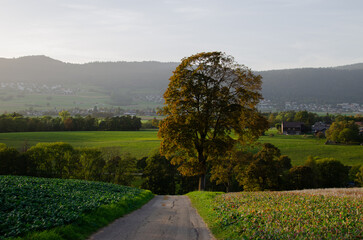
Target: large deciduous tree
{"type": "Point", "coordinates": [209, 97]}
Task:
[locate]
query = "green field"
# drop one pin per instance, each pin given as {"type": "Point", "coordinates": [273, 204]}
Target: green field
{"type": "Point", "coordinates": [76, 208]}
{"type": "Point", "coordinates": [310, 214]}
{"type": "Point", "coordinates": [298, 148]}
{"type": "Point", "coordinates": [140, 143]}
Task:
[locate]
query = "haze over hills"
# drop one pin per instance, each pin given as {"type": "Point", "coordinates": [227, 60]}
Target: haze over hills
{"type": "Point", "coordinates": [129, 83]}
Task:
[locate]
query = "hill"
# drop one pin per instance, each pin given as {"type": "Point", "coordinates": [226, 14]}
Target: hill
{"type": "Point", "coordinates": [33, 81]}
{"type": "Point", "coordinates": [314, 85]}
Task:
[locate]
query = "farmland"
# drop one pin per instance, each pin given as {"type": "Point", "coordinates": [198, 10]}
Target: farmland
{"type": "Point", "coordinates": [140, 143]}
{"type": "Point", "coordinates": [34, 204]}
{"type": "Point", "coordinates": [312, 214]}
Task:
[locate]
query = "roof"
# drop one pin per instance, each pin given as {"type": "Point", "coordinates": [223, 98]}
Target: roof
{"type": "Point", "coordinates": [292, 124]}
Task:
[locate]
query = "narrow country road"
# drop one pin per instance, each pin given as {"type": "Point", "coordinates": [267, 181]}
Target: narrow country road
{"type": "Point", "coordinates": [164, 217]}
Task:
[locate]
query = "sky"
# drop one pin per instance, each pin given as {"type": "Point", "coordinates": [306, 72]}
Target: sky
{"type": "Point", "coordinates": [261, 34]}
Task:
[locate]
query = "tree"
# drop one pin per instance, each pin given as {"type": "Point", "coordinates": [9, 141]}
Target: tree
{"type": "Point", "coordinates": [208, 97]}
{"type": "Point", "coordinates": [301, 177]}
{"type": "Point", "coordinates": [343, 131]}
{"type": "Point", "coordinates": [159, 175]}
{"type": "Point", "coordinates": [332, 173]}
{"type": "Point", "coordinates": [51, 159]}
{"type": "Point", "coordinates": [359, 176]}
{"type": "Point", "coordinates": [8, 160]}
{"type": "Point", "coordinates": [266, 171]}
{"type": "Point", "coordinates": [224, 171]}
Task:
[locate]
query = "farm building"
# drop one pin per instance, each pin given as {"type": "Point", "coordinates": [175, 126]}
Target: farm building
{"type": "Point", "coordinates": [320, 127]}
{"type": "Point", "coordinates": [360, 126]}
{"type": "Point", "coordinates": [292, 128]}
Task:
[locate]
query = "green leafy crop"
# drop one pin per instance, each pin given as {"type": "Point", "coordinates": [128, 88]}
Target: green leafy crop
{"type": "Point", "coordinates": [32, 204]}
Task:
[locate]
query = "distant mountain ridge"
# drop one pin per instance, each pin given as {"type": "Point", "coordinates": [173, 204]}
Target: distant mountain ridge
{"type": "Point", "coordinates": [317, 85]}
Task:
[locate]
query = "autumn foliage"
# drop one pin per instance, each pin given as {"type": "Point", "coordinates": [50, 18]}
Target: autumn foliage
{"type": "Point", "coordinates": [209, 97]}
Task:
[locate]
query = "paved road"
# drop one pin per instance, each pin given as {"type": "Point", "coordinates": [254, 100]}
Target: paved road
{"type": "Point", "coordinates": [164, 217]}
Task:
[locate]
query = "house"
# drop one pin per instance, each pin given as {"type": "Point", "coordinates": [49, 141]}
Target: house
{"type": "Point", "coordinates": [292, 128]}
{"type": "Point", "coordinates": [319, 127]}
{"type": "Point", "coordinates": [360, 126]}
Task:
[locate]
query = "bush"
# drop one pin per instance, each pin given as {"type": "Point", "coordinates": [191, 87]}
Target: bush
{"type": "Point", "coordinates": [8, 160]}
{"type": "Point", "coordinates": [332, 173]}
{"type": "Point", "coordinates": [159, 175]}
{"type": "Point", "coordinates": [301, 177]}
{"type": "Point", "coordinates": [353, 174]}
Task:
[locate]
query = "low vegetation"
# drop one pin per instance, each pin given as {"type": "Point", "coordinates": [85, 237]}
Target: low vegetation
{"type": "Point", "coordinates": [75, 207]}
{"type": "Point", "coordinates": [313, 214]}
{"type": "Point", "coordinates": [61, 160]}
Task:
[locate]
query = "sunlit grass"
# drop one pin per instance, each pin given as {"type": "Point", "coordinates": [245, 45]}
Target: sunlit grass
{"type": "Point", "coordinates": [140, 143]}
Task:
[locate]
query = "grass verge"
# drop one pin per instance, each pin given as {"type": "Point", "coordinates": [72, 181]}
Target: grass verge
{"type": "Point", "coordinates": [203, 202]}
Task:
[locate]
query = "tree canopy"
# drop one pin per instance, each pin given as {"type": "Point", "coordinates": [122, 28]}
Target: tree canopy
{"type": "Point", "coordinates": [343, 131]}
{"type": "Point", "coordinates": [209, 97]}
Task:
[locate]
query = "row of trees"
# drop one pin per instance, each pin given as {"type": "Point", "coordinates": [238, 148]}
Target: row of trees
{"type": "Point", "coordinates": [61, 160]}
{"type": "Point", "coordinates": [265, 170]}
{"type": "Point", "coordinates": [308, 118]}
{"type": "Point", "coordinates": [18, 123]}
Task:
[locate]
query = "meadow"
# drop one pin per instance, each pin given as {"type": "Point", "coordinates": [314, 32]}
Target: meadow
{"type": "Point", "coordinates": [309, 214]}
{"type": "Point", "coordinates": [31, 205]}
{"type": "Point", "coordinates": [140, 143]}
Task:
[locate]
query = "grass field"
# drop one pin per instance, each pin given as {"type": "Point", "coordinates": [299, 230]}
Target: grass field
{"type": "Point", "coordinates": [298, 148]}
{"type": "Point", "coordinates": [309, 214]}
{"type": "Point", "coordinates": [140, 143]}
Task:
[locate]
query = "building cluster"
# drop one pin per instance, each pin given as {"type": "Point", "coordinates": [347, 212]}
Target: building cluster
{"type": "Point", "coordinates": [298, 128]}
{"type": "Point", "coordinates": [269, 106]}
{"type": "Point", "coordinates": [38, 88]}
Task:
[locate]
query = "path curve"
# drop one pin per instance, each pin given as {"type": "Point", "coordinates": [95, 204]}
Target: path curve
{"type": "Point", "coordinates": [164, 217]}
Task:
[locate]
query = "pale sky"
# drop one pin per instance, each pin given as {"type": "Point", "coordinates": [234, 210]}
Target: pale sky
{"type": "Point", "coordinates": [262, 34]}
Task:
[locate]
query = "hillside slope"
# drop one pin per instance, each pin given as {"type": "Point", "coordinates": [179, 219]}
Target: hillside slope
{"type": "Point", "coordinates": [306, 85]}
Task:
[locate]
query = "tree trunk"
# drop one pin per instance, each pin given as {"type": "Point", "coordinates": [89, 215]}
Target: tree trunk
{"type": "Point", "coordinates": [201, 182]}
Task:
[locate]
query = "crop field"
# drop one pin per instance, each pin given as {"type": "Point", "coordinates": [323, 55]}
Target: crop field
{"type": "Point", "coordinates": [335, 214]}
{"type": "Point", "coordinates": [31, 204]}
{"type": "Point", "coordinates": [140, 143]}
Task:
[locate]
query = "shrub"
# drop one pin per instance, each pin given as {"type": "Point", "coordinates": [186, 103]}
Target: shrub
{"type": "Point", "coordinates": [332, 173]}
{"type": "Point", "coordinates": [301, 177]}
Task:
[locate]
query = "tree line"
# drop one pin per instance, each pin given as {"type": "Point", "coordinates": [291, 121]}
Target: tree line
{"type": "Point", "coordinates": [65, 122]}
{"type": "Point", "coordinates": [308, 118]}
{"type": "Point", "coordinates": [266, 169]}
{"type": "Point", "coordinates": [61, 160]}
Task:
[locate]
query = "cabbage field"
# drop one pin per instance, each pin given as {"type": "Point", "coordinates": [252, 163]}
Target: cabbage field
{"type": "Point", "coordinates": [32, 204]}
{"type": "Point", "coordinates": [313, 214]}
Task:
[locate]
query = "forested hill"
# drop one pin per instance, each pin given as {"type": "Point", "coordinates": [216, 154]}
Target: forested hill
{"type": "Point", "coordinates": [108, 75]}
{"type": "Point", "coordinates": [319, 85]}
{"type": "Point", "coordinates": [315, 85]}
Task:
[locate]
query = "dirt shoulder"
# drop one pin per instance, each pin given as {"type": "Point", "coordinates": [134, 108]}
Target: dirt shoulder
{"type": "Point", "coordinates": [164, 217]}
